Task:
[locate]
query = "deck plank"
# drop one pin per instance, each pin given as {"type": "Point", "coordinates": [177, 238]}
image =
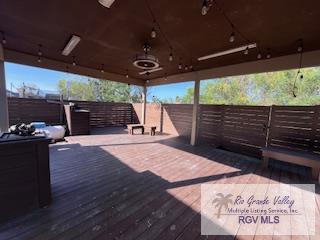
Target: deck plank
{"type": "Point", "coordinates": [113, 186]}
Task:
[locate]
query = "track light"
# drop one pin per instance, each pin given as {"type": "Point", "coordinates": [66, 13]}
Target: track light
{"type": "Point", "coordinates": [153, 33]}
{"type": "Point", "coordinates": [73, 42]}
{"type": "Point", "coordinates": [227, 52]}
{"type": "Point", "coordinates": [171, 57]}
{"type": "Point", "coordinates": [232, 37]}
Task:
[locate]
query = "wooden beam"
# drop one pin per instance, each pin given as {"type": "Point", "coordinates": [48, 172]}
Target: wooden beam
{"type": "Point", "coordinates": [4, 116]}
{"type": "Point", "coordinates": [144, 105]}
{"type": "Point", "coordinates": [195, 112]}
{"type": "Point", "coordinates": [27, 59]}
{"type": "Point", "coordinates": [310, 59]}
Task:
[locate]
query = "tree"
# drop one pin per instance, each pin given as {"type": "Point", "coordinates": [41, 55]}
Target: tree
{"type": "Point", "coordinates": [273, 88]}
{"type": "Point", "coordinates": [99, 90]}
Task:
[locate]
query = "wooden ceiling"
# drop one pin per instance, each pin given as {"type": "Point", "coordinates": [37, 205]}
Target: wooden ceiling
{"type": "Point", "coordinates": [114, 36]}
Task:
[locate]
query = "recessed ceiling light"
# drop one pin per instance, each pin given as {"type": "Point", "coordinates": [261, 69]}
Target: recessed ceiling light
{"type": "Point", "coordinates": [106, 3]}
{"type": "Point", "coordinates": [227, 52]}
{"type": "Point", "coordinates": [73, 42]}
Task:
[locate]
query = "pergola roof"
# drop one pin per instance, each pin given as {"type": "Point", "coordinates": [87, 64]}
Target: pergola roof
{"type": "Point", "coordinates": [114, 36]}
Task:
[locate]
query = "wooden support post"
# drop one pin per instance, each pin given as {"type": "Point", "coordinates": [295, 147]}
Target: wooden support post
{"type": "Point", "coordinates": [144, 105]}
{"type": "Point", "coordinates": [195, 113]}
{"type": "Point", "coordinates": [4, 116]}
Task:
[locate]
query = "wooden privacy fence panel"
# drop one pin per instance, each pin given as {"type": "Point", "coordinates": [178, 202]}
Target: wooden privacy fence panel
{"type": "Point", "coordinates": [245, 128]}
{"type": "Point", "coordinates": [210, 124]}
{"type": "Point", "coordinates": [104, 114]}
{"type": "Point", "coordinates": [101, 114]}
{"type": "Point", "coordinates": [31, 110]}
{"type": "Point", "coordinates": [295, 128]}
{"type": "Point", "coordinates": [177, 119]}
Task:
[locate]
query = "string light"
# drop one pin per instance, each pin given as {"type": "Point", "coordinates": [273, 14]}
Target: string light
{"type": "Point", "coordinates": [300, 50]}
{"type": "Point", "coordinates": [153, 33]}
{"type": "Point", "coordinates": [300, 47]}
{"type": "Point", "coordinates": [186, 68]}
{"type": "Point", "coordinates": [4, 41]}
{"type": "Point", "coordinates": [180, 66]}
{"type": "Point", "coordinates": [206, 5]}
{"type": "Point", "coordinates": [102, 68]}
{"type": "Point", "coordinates": [232, 37]}
{"type": "Point", "coordinates": [39, 53]}
{"type": "Point", "coordinates": [171, 57]}
{"type": "Point", "coordinates": [259, 56]}
{"type": "Point", "coordinates": [74, 61]}
{"type": "Point", "coordinates": [127, 75]}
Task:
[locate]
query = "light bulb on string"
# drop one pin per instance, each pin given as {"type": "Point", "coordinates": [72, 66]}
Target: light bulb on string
{"type": "Point", "coordinates": [171, 57]}
{"type": "Point", "coordinates": [74, 61]}
{"type": "Point", "coordinates": [39, 54]}
{"type": "Point", "coordinates": [4, 40]}
{"type": "Point", "coordinates": [232, 37]}
{"type": "Point", "coordinates": [180, 66]}
{"type": "Point", "coordinates": [102, 68]}
{"type": "Point", "coordinates": [186, 68]}
{"type": "Point", "coordinates": [259, 56]}
{"type": "Point", "coordinates": [153, 33]}
{"type": "Point", "coordinates": [205, 8]}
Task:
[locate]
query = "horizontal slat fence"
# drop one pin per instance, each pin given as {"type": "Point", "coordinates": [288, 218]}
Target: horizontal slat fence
{"type": "Point", "coordinates": [101, 114]}
{"type": "Point", "coordinates": [245, 128]}
{"type": "Point", "coordinates": [32, 110]}
{"type": "Point", "coordinates": [210, 124]}
{"type": "Point", "coordinates": [295, 128]}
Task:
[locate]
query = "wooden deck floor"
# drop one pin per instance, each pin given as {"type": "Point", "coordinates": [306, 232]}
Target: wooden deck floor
{"type": "Point", "coordinates": [114, 186]}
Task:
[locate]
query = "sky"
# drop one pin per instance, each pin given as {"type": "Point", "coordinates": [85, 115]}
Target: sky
{"type": "Point", "coordinates": [47, 80]}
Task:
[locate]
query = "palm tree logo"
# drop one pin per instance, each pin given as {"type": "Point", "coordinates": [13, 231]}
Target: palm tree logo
{"type": "Point", "coordinates": [222, 201]}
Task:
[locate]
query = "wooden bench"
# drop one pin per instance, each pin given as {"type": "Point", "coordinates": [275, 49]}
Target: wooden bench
{"type": "Point", "coordinates": [296, 157]}
{"type": "Point", "coordinates": [151, 129]}
{"type": "Point", "coordinates": [132, 127]}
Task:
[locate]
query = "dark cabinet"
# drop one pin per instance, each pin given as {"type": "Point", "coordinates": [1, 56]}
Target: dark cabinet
{"type": "Point", "coordinates": [24, 174]}
{"type": "Point", "coordinates": [78, 120]}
